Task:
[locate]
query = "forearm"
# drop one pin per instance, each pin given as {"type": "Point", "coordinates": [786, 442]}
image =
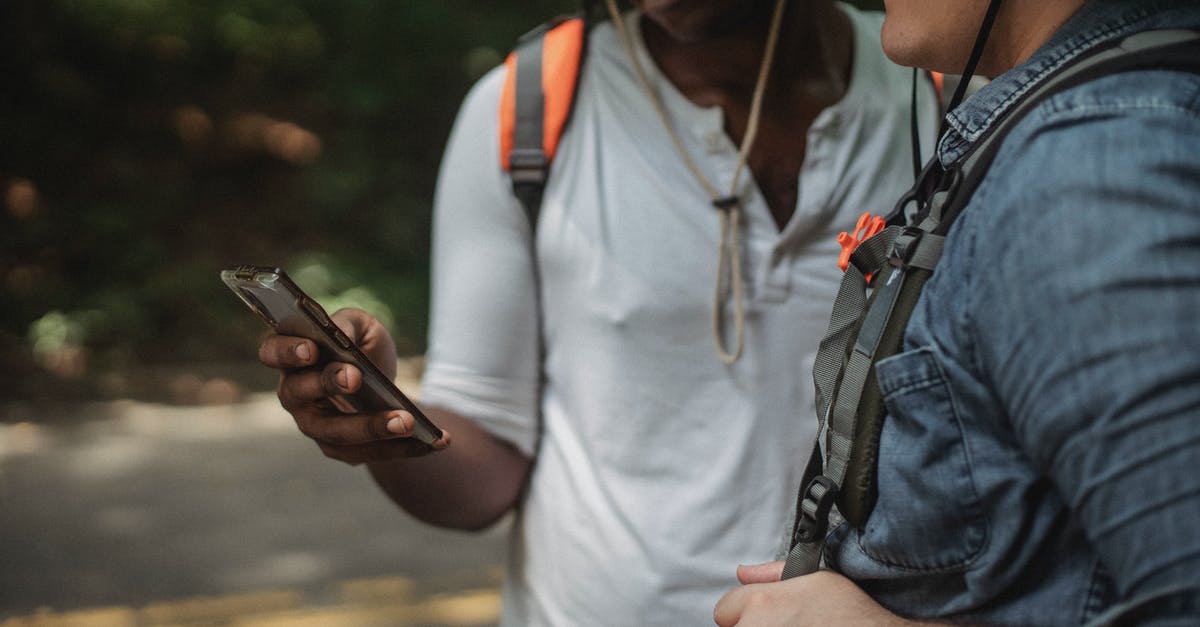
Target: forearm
{"type": "Point", "coordinates": [469, 485]}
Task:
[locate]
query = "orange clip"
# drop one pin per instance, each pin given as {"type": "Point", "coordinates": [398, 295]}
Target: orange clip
{"type": "Point", "coordinates": [866, 227]}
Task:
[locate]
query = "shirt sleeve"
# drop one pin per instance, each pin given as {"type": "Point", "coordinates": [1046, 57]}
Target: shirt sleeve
{"type": "Point", "coordinates": [483, 358]}
{"type": "Point", "coordinates": [1089, 325]}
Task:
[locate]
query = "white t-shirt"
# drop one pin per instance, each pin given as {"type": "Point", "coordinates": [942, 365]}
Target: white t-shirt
{"type": "Point", "coordinates": [658, 469]}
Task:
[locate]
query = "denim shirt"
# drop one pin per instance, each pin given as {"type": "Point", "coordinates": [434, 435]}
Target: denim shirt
{"type": "Point", "coordinates": [1040, 463]}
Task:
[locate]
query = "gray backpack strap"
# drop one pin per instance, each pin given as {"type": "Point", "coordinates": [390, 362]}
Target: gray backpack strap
{"type": "Point", "coordinates": [529, 165]}
{"type": "Point", "coordinates": [864, 330]}
{"type": "Point", "coordinates": [536, 104]}
{"type": "Point", "coordinates": [861, 330]}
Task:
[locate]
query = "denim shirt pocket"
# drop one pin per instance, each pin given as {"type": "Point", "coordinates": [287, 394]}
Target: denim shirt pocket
{"type": "Point", "coordinates": [928, 515]}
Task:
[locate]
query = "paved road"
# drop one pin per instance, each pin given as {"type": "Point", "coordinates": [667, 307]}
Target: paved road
{"type": "Point", "coordinates": [124, 509]}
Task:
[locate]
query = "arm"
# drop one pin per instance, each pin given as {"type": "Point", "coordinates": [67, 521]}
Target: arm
{"type": "Point", "coordinates": [468, 485]}
{"type": "Point", "coordinates": [483, 358]}
{"type": "Point", "coordinates": [1089, 325]}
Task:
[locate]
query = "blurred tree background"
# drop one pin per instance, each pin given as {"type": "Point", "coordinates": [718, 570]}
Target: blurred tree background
{"type": "Point", "coordinates": [145, 144]}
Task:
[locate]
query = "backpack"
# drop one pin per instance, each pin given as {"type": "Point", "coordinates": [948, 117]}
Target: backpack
{"type": "Point", "coordinates": [541, 78]}
{"type": "Point", "coordinates": [540, 84]}
{"type": "Point", "coordinates": [866, 329]}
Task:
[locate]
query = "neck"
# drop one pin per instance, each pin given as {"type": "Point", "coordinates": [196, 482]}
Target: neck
{"type": "Point", "coordinates": [812, 58]}
{"type": "Point", "coordinates": [1022, 26]}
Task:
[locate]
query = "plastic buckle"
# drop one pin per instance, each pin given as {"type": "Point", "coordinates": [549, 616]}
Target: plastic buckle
{"type": "Point", "coordinates": [866, 228]}
{"type": "Point", "coordinates": [725, 203]}
{"type": "Point", "coordinates": [813, 520]}
{"type": "Point", "coordinates": [527, 166]}
{"type": "Point", "coordinates": [904, 246]}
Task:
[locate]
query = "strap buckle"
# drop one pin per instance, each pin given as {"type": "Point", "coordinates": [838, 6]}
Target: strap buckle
{"type": "Point", "coordinates": [725, 203]}
{"type": "Point", "coordinates": [528, 166]}
{"type": "Point", "coordinates": [904, 246]}
{"type": "Point", "coordinates": [866, 228]}
{"type": "Point", "coordinates": [813, 519]}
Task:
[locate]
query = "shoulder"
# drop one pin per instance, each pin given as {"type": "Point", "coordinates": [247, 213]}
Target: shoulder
{"type": "Point", "coordinates": [1126, 131]}
{"type": "Point", "coordinates": [483, 99]}
{"type": "Point", "coordinates": [1137, 96]}
{"type": "Point", "coordinates": [1106, 122]}
{"type": "Point", "coordinates": [1108, 167]}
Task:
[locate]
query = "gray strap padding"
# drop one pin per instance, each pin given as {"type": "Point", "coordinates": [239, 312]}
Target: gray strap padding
{"type": "Point", "coordinates": [847, 307]}
{"type": "Point", "coordinates": [929, 250]}
{"type": "Point", "coordinates": [849, 304]}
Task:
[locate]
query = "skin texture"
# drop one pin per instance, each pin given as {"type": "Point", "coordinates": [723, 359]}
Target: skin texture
{"type": "Point", "coordinates": [711, 51]}
{"type": "Point", "coordinates": [938, 34]}
{"type": "Point", "coordinates": [468, 485]}
{"type": "Point", "coordinates": [822, 598]}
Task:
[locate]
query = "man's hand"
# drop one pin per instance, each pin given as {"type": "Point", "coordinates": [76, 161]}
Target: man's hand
{"type": "Point", "coordinates": [822, 598]}
{"type": "Point", "coordinates": [305, 390]}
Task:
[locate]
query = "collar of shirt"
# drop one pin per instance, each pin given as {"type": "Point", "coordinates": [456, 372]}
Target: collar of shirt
{"type": "Point", "coordinates": [1097, 22]}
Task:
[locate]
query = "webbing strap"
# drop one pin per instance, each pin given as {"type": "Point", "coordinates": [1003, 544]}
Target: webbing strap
{"type": "Point", "coordinates": [536, 100]}
{"type": "Point", "coordinates": [847, 307]}
{"type": "Point", "coordinates": [528, 164]}
{"type": "Point", "coordinates": [841, 373]}
{"type": "Point", "coordinates": [851, 301]}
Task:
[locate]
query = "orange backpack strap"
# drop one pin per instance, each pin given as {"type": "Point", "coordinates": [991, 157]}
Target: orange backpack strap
{"type": "Point", "coordinates": [535, 104]}
{"type": "Point", "coordinates": [939, 86]}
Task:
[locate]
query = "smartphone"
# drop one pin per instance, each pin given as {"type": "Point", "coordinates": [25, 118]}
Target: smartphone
{"type": "Point", "coordinates": [271, 294]}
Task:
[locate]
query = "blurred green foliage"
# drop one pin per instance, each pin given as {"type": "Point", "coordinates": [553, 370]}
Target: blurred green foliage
{"type": "Point", "coordinates": [145, 144]}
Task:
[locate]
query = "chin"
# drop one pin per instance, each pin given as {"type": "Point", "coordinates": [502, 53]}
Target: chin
{"type": "Point", "coordinates": [910, 50]}
{"type": "Point", "coordinates": [898, 45]}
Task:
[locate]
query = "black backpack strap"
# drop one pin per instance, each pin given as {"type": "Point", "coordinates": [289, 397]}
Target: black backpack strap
{"type": "Point", "coordinates": [864, 330]}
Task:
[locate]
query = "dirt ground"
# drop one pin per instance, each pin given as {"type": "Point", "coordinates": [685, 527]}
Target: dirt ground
{"type": "Point", "coordinates": [138, 512]}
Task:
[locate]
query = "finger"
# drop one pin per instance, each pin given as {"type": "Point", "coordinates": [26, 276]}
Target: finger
{"type": "Point", "coordinates": [372, 452]}
{"type": "Point", "coordinates": [371, 336]}
{"type": "Point", "coordinates": [286, 351]}
{"type": "Point", "coordinates": [353, 429]}
{"type": "Point", "coordinates": [769, 572]}
{"type": "Point", "coordinates": [728, 610]}
{"type": "Point", "coordinates": [299, 389]}
{"type": "Point", "coordinates": [311, 386]}
{"type": "Point", "coordinates": [353, 322]}
{"type": "Point", "coordinates": [339, 378]}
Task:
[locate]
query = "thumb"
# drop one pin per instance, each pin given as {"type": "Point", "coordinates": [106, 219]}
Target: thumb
{"type": "Point", "coordinates": [769, 572]}
{"type": "Point", "coordinates": [355, 323]}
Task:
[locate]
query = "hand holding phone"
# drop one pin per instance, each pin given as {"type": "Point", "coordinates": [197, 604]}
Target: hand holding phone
{"type": "Point", "coordinates": [271, 294]}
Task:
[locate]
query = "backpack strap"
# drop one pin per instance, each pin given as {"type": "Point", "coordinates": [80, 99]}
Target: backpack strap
{"type": "Point", "coordinates": [864, 330]}
{"type": "Point", "coordinates": [535, 104]}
